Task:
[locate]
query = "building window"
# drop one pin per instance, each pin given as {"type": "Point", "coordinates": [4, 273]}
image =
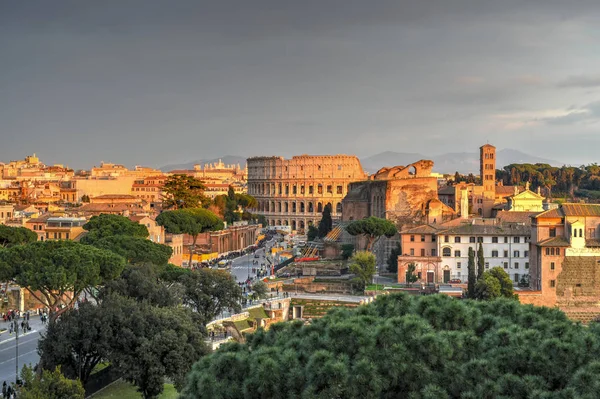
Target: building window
{"type": "Point", "coordinates": [422, 237]}
{"type": "Point", "coordinates": [433, 238]}
{"type": "Point", "coordinates": [433, 252]}
{"type": "Point", "coordinates": [302, 189]}
{"type": "Point", "coordinates": [516, 254]}
{"type": "Point", "coordinates": [446, 238]}
{"type": "Point", "coordinates": [516, 240]}
{"type": "Point", "coordinates": [319, 189]}
{"type": "Point", "coordinates": [516, 265]}
{"type": "Point", "coordinates": [457, 253]}
{"type": "Point", "coordinates": [471, 239]}
{"type": "Point", "coordinates": [419, 275]}
{"type": "Point", "coordinates": [552, 283]}
{"type": "Point", "coordinates": [557, 251]}
{"type": "Point", "coordinates": [330, 189]}
{"type": "Point", "coordinates": [422, 251]}
{"type": "Point", "coordinates": [551, 251]}
{"type": "Point", "coordinates": [294, 190]}
{"type": "Point", "coordinates": [506, 240]}
{"type": "Point", "coordinates": [526, 265]}
{"type": "Point", "coordinates": [287, 189]}
{"type": "Point", "coordinates": [506, 265]}
{"type": "Point", "coordinates": [547, 251]}
{"type": "Point", "coordinates": [457, 240]}
{"type": "Point", "coordinates": [494, 240]}
{"type": "Point", "coordinates": [487, 265]}
{"type": "Point", "coordinates": [311, 190]}
{"type": "Point", "coordinates": [446, 252]}
{"type": "Point", "coordinates": [494, 254]}
{"type": "Point", "coordinates": [458, 265]}
{"type": "Point", "coordinates": [552, 265]}
{"type": "Point", "coordinates": [506, 254]}
{"type": "Point", "coordinates": [412, 252]}
{"type": "Point", "coordinates": [552, 232]}
{"type": "Point", "coordinates": [480, 239]}
{"type": "Point", "coordinates": [339, 189]}
{"type": "Point", "coordinates": [526, 254]}
{"type": "Point", "coordinates": [412, 238]}
{"type": "Point", "coordinates": [516, 277]}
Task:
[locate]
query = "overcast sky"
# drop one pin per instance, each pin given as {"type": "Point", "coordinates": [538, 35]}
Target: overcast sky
{"type": "Point", "coordinates": [157, 82]}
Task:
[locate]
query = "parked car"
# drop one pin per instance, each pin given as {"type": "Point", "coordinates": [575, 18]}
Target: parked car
{"type": "Point", "coordinates": [455, 281]}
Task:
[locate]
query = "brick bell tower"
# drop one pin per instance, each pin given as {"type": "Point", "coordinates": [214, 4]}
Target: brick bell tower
{"type": "Point", "coordinates": [487, 171]}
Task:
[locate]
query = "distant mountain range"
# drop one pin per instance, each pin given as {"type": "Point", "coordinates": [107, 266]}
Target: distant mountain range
{"type": "Point", "coordinates": [463, 162]}
{"type": "Point", "coordinates": [227, 160]}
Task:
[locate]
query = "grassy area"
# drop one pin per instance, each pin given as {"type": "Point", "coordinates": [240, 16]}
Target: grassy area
{"type": "Point", "coordinates": [99, 367]}
{"type": "Point", "coordinates": [124, 390]}
{"type": "Point", "coordinates": [375, 287]}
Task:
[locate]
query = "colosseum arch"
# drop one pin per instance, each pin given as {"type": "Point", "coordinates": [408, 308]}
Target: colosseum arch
{"type": "Point", "coordinates": [286, 207]}
{"type": "Point", "coordinates": [279, 206]}
{"type": "Point", "coordinates": [302, 207]}
{"type": "Point", "coordinates": [338, 208]}
{"type": "Point", "coordinates": [293, 225]}
{"type": "Point", "coordinates": [319, 207]}
{"type": "Point", "coordinates": [294, 207]}
{"type": "Point", "coordinates": [311, 208]}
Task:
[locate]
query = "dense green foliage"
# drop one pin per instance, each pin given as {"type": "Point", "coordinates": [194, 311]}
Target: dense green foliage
{"type": "Point", "coordinates": [145, 343]}
{"type": "Point", "coordinates": [480, 261]}
{"type": "Point", "coordinates": [312, 233]}
{"type": "Point", "coordinates": [472, 277]}
{"type": "Point", "coordinates": [59, 270]}
{"type": "Point", "coordinates": [48, 385]}
{"type": "Point", "coordinates": [11, 236]}
{"type": "Point", "coordinates": [494, 283]}
{"type": "Point", "coordinates": [326, 223]}
{"type": "Point", "coordinates": [392, 262]}
{"type": "Point", "coordinates": [411, 276]}
{"type": "Point", "coordinates": [208, 292]}
{"type": "Point", "coordinates": [410, 347]}
{"type": "Point", "coordinates": [192, 221]}
{"type": "Point", "coordinates": [136, 249]}
{"type": "Point", "coordinates": [362, 264]}
{"type": "Point", "coordinates": [372, 228]}
{"type": "Point", "coordinates": [182, 191]}
{"type": "Point", "coordinates": [259, 290]}
{"type": "Point", "coordinates": [566, 180]}
{"type": "Point", "coordinates": [105, 225]}
{"type": "Point", "coordinates": [347, 251]}
{"type": "Point", "coordinates": [234, 206]}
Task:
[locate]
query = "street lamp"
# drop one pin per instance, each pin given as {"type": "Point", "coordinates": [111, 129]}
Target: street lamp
{"type": "Point", "coordinates": [16, 327]}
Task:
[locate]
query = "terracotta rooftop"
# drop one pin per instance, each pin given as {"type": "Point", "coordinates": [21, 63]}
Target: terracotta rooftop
{"type": "Point", "coordinates": [581, 209]}
{"type": "Point", "coordinates": [499, 229]}
{"type": "Point", "coordinates": [554, 242]}
{"type": "Point", "coordinates": [507, 190]}
{"type": "Point", "coordinates": [115, 196]}
{"type": "Point", "coordinates": [552, 213]}
{"type": "Point", "coordinates": [515, 217]}
{"type": "Point", "coordinates": [41, 219]}
{"type": "Point", "coordinates": [423, 229]}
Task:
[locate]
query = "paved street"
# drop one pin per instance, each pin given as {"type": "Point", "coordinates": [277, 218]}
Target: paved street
{"type": "Point", "coordinates": [241, 267]}
{"type": "Point", "coordinates": [27, 349]}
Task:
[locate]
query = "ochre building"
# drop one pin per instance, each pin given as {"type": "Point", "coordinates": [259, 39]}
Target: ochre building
{"type": "Point", "coordinates": [293, 192]}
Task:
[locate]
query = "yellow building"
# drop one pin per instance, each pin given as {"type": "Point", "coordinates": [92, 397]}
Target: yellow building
{"type": "Point", "coordinates": [526, 201]}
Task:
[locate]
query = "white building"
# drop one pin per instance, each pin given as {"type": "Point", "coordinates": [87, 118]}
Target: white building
{"type": "Point", "coordinates": [504, 244]}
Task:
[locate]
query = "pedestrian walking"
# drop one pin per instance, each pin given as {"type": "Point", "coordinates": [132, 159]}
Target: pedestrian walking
{"type": "Point", "coordinates": [4, 389]}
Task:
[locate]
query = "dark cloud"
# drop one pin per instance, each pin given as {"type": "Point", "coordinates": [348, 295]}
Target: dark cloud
{"type": "Point", "coordinates": [154, 82]}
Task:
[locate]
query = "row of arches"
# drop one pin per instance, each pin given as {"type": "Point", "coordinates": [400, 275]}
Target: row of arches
{"type": "Point", "coordinates": [266, 189]}
{"type": "Point", "coordinates": [297, 207]}
{"type": "Point", "coordinates": [300, 225]}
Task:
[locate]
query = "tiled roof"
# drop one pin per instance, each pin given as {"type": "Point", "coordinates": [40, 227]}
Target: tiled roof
{"type": "Point", "coordinates": [489, 229]}
{"type": "Point", "coordinates": [41, 219]}
{"type": "Point", "coordinates": [115, 196]}
{"type": "Point", "coordinates": [507, 190]}
{"type": "Point", "coordinates": [592, 243]}
{"type": "Point", "coordinates": [581, 209]}
{"type": "Point", "coordinates": [516, 217]}
{"type": "Point", "coordinates": [554, 242]}
{"type": "Point", "coordinates": [423, 229]}
{"type": "Point", "coordinates": [552, 213]}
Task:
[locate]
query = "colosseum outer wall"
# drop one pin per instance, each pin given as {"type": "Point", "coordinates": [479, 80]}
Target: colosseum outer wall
{"type": "Point", "coordinates": [294, 191]}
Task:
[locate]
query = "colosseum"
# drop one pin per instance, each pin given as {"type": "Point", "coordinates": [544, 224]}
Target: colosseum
{"type": "Point", "coordinates": [293, 192]}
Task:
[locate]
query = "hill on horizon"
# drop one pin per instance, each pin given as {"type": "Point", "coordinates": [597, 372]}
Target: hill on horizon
{"type": "Point", "coordinates": [463, 162]}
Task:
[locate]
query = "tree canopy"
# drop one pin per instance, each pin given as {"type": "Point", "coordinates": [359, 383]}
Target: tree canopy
{"type": "Point", "coordinates": [362, 264]}
{"type": "Point", "coordinates": [208, 292]}
{"type": "Point", "coordinates": [11, 236]}
{"type": "Point", "coordinates": [372, 228]}
{"type": "Point", "coordinates": [234, 206]}
{"type": "Point", "coordinates": [403, 346]}
{"type": "Point", "coordinates": [105, 225]}
{"type": "Point", "coordinates": [183, 191]}
{"type": "Point", "coordinates": [192, 221]}
{"type": "Point", "coordinates": [59, 270]}
{"type": "Point", "coordinates": [326, 223]}
{"type": "Point", "coordinates": [494, 283]}
{"type": "Point", "coordinates": [472, 274]}
{"type": "Point", "coordinates": [48, 385]}
{"type": "Point", "coordinates": [136, 249]}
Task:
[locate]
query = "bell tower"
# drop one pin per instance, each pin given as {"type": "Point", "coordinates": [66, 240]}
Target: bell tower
{"type": "Point", "coordinates": [487, 168]}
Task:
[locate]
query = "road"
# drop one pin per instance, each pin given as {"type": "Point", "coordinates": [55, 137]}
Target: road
{"type": "Point", "coordinates": [241, 268]}
{"type": "Point", "coordinates": [27, 349]}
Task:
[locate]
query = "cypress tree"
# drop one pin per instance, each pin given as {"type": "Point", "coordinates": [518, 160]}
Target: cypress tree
{"type": "Point", "coordinates": [472, 275]}
{"type": "Point", "coordinates": [480, 262]}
